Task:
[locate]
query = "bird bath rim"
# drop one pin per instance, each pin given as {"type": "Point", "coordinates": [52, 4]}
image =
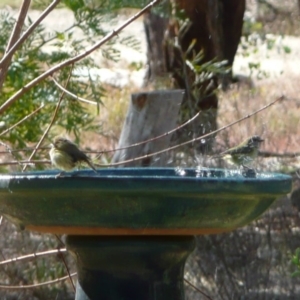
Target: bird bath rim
{"type": "Point", "coordinates": [138, 201]}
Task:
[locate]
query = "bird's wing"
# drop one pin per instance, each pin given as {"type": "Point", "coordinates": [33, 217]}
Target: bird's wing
{"type": "Point", "coordinates": [75, 153]}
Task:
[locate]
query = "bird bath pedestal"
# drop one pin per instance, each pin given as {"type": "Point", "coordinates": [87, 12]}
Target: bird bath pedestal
{"type": "Point", "coordinates": [131, 229]}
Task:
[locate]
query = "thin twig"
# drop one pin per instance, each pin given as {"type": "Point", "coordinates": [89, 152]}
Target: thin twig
{"type": "Point", "coordinates": [153, 139]}
{"type": "Point", "coordinates": [26, 34]}
{"type": "Point", "coordinates": [32, 255]}
{"type": "Point", "coordinates": [13, 38]}
{"type": "Point", "coordinates": [186, 81]}
{"type": "Point", "coordinates": [174, 147]}
{"type": "Point", "coordinates": [73, 60]}
{"type": "Point", "coordinates": [198, 290]}
{"type": "Point", "coordinates": [21, 121]}
{"type": "Point", "coordinates": [52, 121]}
{"type": "Point", "coordinates": [48, 162]}
{"type": "Point", "coordinates": [65, 263]}
{"type": "Point", "coordinates": [282, 155]}
{"type": "Point", "coordinates": [198, 138]}
{"type": "Point", "coordinates": [25, 162]}
{"type": "Point", "coordinates": [9, 150]}
{"type": "Point", "coordinates": [73, 95]}
{"type": "Point", "coordinates": [68, 271]}
{"type": "Point", "coordinates": [30, 286]}
{"type": "Point", "coordinates": [30, 149]}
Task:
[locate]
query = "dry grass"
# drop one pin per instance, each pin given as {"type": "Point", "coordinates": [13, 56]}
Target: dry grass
{"type": "Point", "coordinates": [278, 125]}
{"type": "Point", "coordinates": [16, 4]}
{"type": "Point", "coordinates": [11, 3]}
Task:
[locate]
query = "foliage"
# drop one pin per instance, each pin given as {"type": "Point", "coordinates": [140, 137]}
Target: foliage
{"type": "Point", "coordinates": [296, 262]}
{"type": "Point", "coordinates": [190, 69]}
{"type": "Point", "coordinates": [28, 63]}
{"type": "Point", "coordinates": [41, 51]}
{"type": "Point", "coordinates": [34, 57]}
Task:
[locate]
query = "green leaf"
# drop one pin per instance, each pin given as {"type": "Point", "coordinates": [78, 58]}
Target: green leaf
{"type": "Point", "coordinates": [74, 4]}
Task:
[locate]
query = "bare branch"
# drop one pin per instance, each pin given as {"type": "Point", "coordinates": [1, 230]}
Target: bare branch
{"type": "Point", "coordinates": [14, 48]}
{"type": "Point", "coordinates": [152, 139]}
{"type": "Point", "coordinates": [73, 60]}
{"type": "Point", "coordinates": [32, 255]}
{"type": "Point", "coordinates": [26, 162]}
{"type": "Point", "coordinates": [30, 286]}
{"type": "Point", "coordinates": [51, 123]}
{"type": "Point", "coordinates": [73, 95]}
{"type": "Point", "coordinates": [26, 149]}
{"type": "Point", "coordinates": [21, 121]}
{"type": "Point", "coordinates": [198, 138]}
{"type": "Point", "coordinates": [281, 155]}
{"type": "Point", "coordinates": [13, 38]}
{"type": "Point", "coordinates": [198, 290]}
{"type": "Point", "coordinates": [65, 263]}
{"type": "Point", "coordinates": [176, 146]}
{"type": "Point", "coordinates": [9, 150]}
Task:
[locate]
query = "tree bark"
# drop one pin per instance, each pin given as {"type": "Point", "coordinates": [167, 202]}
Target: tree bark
{"type": "Point", "coordinates": [149, 115]}
{"type": "Point", "coordinates": [216, 27]}
{"type": "Point", "coordinates": [155, 27]}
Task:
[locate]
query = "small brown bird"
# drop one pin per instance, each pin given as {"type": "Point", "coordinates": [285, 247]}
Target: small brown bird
{"type": "Point", "coordinates": [244, 153]}
{"type": "Point", "coordinates": [65, 155]}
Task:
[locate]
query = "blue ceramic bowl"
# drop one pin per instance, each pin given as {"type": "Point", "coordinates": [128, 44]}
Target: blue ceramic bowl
{"type": "Point", "coordinates": [138, 201]}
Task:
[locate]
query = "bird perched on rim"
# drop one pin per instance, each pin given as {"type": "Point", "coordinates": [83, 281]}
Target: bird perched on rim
{"type": "Point", "coordinates": [244, 153]}
{"type": "Point", "coordinates": [65, 155]}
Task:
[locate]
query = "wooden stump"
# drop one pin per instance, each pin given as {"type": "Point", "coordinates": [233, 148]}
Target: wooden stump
{"type": "Point", "coordinates": [150, 114]}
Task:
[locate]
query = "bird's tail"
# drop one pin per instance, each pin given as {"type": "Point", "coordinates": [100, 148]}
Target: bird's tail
{"type": "Point", "coordinates": [91, 165]}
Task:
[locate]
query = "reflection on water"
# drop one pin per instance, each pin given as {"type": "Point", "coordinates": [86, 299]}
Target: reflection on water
{"type": "Point", "coordinates": [216, 173]}
{"type": "Point", "coordinates": [151, 173]}
{"type": "Point", "coordinates": [202, 172]}
{"type": "Point", "coordinates": [265, 175]}
{"type": "Point", "coordinates": [180, 171]}
{"type": "Point", "coordinates": [243, 173]}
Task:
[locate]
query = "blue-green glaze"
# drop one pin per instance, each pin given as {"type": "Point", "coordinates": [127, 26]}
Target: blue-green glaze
{"type": "Point", "coordinates": [136, 198]}
{"type": "Point", "coordinates": [136, 267]}
{"type": "Point", "coordinates": [131, 267]}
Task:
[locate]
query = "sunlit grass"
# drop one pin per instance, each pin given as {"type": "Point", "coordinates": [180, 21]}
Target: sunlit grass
{"type": "Point", "coordinates": [11, 3]}
{"type": "Point", "coordinates": [16, 4]}
{"type": "Point", "coordinates": [278, 125]}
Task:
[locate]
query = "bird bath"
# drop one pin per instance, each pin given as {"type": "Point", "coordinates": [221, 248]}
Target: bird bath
{"type": "Point", "coordinates": [131, 229]}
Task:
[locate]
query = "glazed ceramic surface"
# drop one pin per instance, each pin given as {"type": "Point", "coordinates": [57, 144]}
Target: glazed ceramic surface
{"type": "Point", "coordinates": [138, 201]}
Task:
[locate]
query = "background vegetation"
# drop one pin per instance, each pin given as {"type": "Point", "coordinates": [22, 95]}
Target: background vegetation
{"type": "Point", "coordinates": [253, 261]}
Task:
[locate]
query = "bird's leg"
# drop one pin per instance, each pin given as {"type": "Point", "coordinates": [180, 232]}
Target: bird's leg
{"type": "Point", "coordinates": [245, 167]}
{"type": "Point", "coordinates": [60, 174]}
{"type": "Point", "coordinates": [248, 172]}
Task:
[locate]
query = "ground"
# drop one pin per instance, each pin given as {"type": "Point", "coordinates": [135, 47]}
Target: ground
{"type": "Point", "coordinates": [277, 74]}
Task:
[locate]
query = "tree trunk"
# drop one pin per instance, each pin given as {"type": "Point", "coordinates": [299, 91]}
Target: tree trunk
{"type": "Point", "coordinates": [216, 27]}
{"type": "Point", "coordinates": [149, 115]}
{"type": "Point", "coordinates": [155, 27]}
